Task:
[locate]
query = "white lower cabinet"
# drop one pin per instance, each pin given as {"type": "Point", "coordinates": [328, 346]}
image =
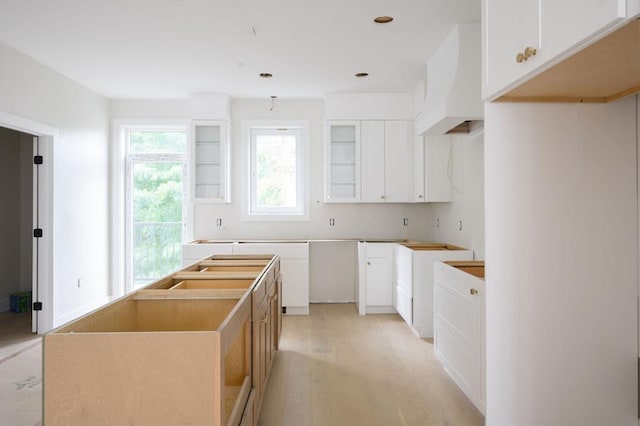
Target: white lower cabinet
{"type": "Point", "coordinates": [459, 339]}
{"type": "Point", "coordinates": [403, 283]}
{"type": "Point", "coordinates": [413, 281]}
{"type": "Point", "coordinates": [294, 265]}
{"type": "Point", "coordinates": [198, 250]}
{"type": "Point", "coordinates": [294, 268]}
{"type": "Point", "coordinates": [375, 292]}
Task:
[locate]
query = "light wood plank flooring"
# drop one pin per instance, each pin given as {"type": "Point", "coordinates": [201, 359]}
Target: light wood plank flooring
{"type": "Point", "coordinates": [335, 368]}
{"type": "Point", "coordinates": [20, 371]}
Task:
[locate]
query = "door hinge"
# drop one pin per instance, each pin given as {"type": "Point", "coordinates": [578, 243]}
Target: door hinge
{"type": "Point", "coordinates": [38, 159]}
{"type": "Point", "coordinates": [37, 306]}
{"type": "Point", "coordinates": [37, 233]}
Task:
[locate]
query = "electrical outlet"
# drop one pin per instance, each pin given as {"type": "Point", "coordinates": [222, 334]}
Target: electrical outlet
{"type": "Point", "coordinates": [332, 222]}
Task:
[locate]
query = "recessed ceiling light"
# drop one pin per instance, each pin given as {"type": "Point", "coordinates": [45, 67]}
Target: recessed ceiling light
{"type": "Point", "coordinates": [266, 75]}
{"type": "Point", "coordinates": [383, 19]}
{"type": "Point", "coordinates": [362, 75]}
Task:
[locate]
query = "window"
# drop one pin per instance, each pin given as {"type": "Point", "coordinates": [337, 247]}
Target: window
{"type": "Point", "coordinates": [155, 187]}
{"type": "Point", "coordinates": [277, 172]}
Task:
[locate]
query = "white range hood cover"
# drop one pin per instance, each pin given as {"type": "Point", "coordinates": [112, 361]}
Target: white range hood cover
{"type": "Point", "coordinates": [453, 93]}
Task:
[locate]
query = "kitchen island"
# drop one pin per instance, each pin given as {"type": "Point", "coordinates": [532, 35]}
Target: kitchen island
{"type": "Point", "coordinates": [195, 347]}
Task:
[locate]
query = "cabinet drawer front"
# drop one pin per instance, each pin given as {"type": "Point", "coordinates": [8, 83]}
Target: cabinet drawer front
{"type": "Point", "coordinates": [458, 361]}
{"type": "Point", "coordinates": [458, 314]}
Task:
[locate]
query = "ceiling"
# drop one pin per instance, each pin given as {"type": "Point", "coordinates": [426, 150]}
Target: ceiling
{"type": "Point", "coordinates": [167, 49]}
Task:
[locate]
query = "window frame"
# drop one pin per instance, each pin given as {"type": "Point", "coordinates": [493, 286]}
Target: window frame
{"type": "Point", "coordinates": [254, 208]}
{"type": "Point", "coordinates": [301, 127]}
{"type": "Point", "coordinates": [120, 150]}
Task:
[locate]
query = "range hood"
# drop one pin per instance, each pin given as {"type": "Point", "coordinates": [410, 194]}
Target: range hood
{"type": "Point", "coordinates": [453, 96]}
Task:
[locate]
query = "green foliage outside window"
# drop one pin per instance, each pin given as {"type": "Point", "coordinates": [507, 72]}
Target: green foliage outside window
{"type": "Point", "coordinates": [157, 206]}
{"type": "Point", "coordinates": [276, 171]}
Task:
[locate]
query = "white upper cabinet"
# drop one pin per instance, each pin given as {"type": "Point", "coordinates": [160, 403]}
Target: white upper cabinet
{"type": "Point", "coordinates": [431, 164]}
{"type": "Point", "coordinates": [398, 138]}
{"type": "Point", "coordinates": [210, 161]}
{"type": "Point", "coordinates": [368, 161]}
{"type": "Point", "coordinates": [509, 27]}
{"type": "Point", "coordinates": [418, 169]}
{"type": "Point", "coordinates": [523, 37]}
{"type": "Point", "coordinates": [386, 165]}
{"type": "Point", "coordinates": [342, 161]}
{"type": "Point", "coordinates": [373, 161]}
{"type": "Point", "coordinates": [437, 171]}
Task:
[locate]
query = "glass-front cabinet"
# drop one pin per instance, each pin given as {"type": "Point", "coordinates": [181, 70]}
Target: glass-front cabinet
{"type": "Point", "coordinates": [210, 161]}
{"type": "Point", "coordinates": [342, 161]}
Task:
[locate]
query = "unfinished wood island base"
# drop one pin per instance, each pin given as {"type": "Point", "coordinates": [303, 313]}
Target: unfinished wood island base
{"type": "Point", "coordinates": [194, 348]}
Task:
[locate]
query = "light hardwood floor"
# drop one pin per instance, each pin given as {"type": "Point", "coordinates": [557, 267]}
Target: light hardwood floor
{"type": "Point", "coordinates": [335, 368]}
{"type": "Point", "coordinates": [20, 371]}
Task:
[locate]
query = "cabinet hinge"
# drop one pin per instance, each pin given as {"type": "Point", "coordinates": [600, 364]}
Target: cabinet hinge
{"type": "Point", "coordinates": [37, 306]}
{"type": "Point", "coordinates": [37, 233]}
{"type": "Point", "coordinates": [38, 159]}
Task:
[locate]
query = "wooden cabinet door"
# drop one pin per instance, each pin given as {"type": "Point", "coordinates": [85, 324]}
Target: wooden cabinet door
{"type": "Point", "coordinates": [260, 341]}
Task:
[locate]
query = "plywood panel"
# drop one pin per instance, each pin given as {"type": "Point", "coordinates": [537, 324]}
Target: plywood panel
{"type": "Point", "coordinates": [212, 284]}
{"type": "Point", "coordinates": [179, 315]}
{"type": "Point", "coordinates": [234, 262]}
{"type": "Point", "coordinates": [117, 316]}
{"type": "Point", "coordinates": [91, 380]}
{"type": "Point", "coordinates": [232, 275]}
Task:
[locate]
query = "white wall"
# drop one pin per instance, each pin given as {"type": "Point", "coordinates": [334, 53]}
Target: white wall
{"type": "Point", "coordinates": [37, 93]}
{"type": "Point", "coordinates": [467, 202]}
{"type": "Point", "coordinates": [561, 264]}
{"type": "Point", "coordinates": [333, 271]}
{"type": "Point", "coordinates": [351, 220]}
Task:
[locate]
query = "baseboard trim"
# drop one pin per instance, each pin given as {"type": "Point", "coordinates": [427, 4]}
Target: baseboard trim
{"type": "Point", "coordinates": [297, 310]}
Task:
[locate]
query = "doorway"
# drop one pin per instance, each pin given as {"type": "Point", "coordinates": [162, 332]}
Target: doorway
{"type": "Point", "coordinates": [16, 240]}
{"type": "Point", "coordinates": [34, 251]}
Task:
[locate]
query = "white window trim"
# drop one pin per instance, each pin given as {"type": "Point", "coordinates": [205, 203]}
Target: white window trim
{"type": "Point", "coordinates": [118, 175]}
{"type": "Point", "coordinates": [303, 127]}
